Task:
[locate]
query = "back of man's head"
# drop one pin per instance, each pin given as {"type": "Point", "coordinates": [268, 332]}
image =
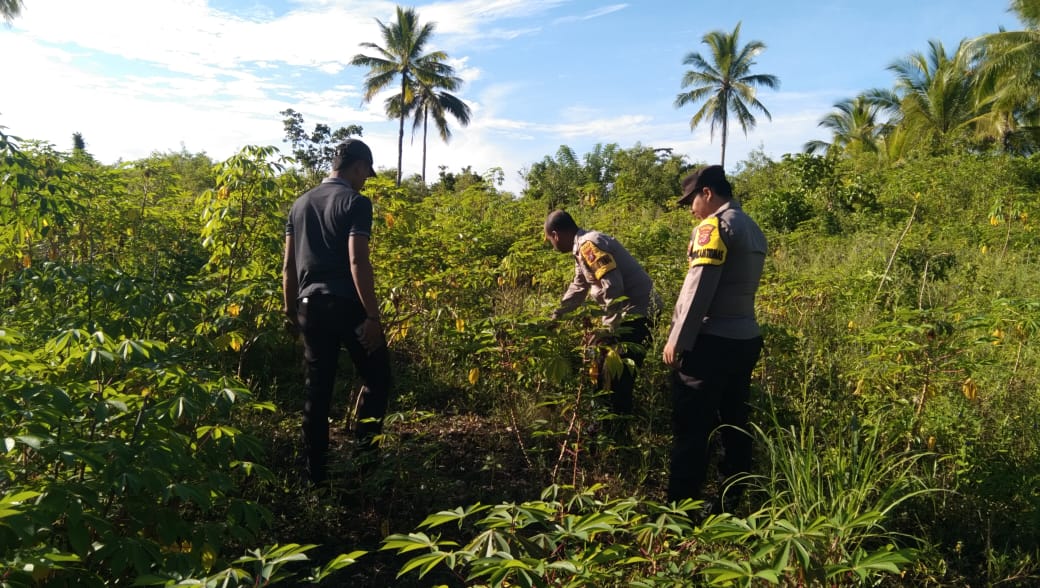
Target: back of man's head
{"type": "Point", "coordinates": [350, 151]}
{"type": "Point", "coordinates": [561, 222]}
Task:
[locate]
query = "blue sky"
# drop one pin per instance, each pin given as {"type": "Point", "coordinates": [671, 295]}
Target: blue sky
{"type": "Point", "coordinates": [137, 76]}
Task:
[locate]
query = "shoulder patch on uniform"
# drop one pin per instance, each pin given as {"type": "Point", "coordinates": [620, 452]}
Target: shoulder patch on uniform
{"type": "Point", "coordinates": [706, 246]}
{"type": "Point", "coordinates": [599, 261]}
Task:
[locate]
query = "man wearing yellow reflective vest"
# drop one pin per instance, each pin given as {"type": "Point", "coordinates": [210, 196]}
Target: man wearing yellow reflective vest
{"type": "Point", "coordinates": [606, 270]}
{"type": "Point", "coordinates": [714, 341]}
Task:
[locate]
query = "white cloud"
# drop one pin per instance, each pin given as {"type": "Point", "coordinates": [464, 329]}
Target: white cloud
{"type": "Point", "coordinates": [602, 11]}
{"type": "Point", "coordinates": [165, 73]}
{"type": "Point", "coordinates": [189, 37]}
{"type": "Point", "coordinates": [471, 21]}
{"type": "Point", "coordinates": [463, 70]}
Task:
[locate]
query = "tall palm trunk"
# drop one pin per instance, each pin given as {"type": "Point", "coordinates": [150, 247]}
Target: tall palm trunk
{"type": "Point", "coordinates": [725, 134]}
{"type": "Point", "coordinates": [425, 123]}
{"type": "Point", "coordinates": [400, 130]}
{"type": "Point", "coordinates": [723, 77]}
{"type": "Point", "coordinates": [403, 57]}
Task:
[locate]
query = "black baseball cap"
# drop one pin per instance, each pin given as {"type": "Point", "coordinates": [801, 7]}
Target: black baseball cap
{"type": "Point", "coordinates": [352, 150]}
{"type": "Point", "coordinates": [710, 175]}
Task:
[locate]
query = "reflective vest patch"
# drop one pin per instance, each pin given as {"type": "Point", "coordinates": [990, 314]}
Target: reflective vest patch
{"type": "Point", "coordinates": [599, 261]}
{"type": "Point", "coordinates": [706, 246]}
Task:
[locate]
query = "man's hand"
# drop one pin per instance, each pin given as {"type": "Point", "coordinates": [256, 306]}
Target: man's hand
{"type": "Point", "coordinates": [292, 324]}
{"type": "Point", "coordinates": [671, 357]}
{"type": "Point", "coordinates": [371, 335]}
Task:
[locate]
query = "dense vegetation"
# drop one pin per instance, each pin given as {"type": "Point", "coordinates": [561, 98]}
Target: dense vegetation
{"type": "Point", "coordinates": [151, 396]}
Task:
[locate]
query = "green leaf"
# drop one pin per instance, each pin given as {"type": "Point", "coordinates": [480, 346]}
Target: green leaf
{"type": "Point", "coordinates": [613, 364]}
{"type": "Point", "coordinates": [558, 370]}
{"type": "Point", "coordinates": [564, 565]}
{"type": "Point", "coordinates": [426, 561]}
{"type": "Point", "coordinates": [100, 357]}
{"type": "Point", "coordinates": [446, 516]}
{"type": "Point", "coordinates": [30, 440]}
{"type": "Point", "coordinates": [768, 575]}
{"type": "Point", "coordinates": [153, 580]}
{"type": "Point", "coordinates": [411, 542]}
{"type": "Point", "coordinates": [77, 531]}
{"type": "Point", "coordinates": [345, 559]}
{"type": "Point", "coordinates": [62, 557]}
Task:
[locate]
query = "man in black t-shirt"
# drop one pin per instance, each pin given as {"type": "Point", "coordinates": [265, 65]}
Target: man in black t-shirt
{"type": "Point", "coordinates": [329, 293]}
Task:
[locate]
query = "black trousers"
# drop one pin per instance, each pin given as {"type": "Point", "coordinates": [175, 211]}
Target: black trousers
{"type": "Point", "coordinates": [711, 388]}
{"type": "Point", "coordinates": [637, 333]}
{"type": "Point", "coordinates": [327, 323]}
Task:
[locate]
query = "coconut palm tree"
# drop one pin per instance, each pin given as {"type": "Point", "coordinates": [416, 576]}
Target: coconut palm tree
{"type": "Point", "coordinates": [10, 9]}
{"type": "Point", "coordinates": [724, 82]}
{"type": "Point", "coordinates": [937, 94]}
{"type": "Point", "coordinates": [432, 98]}
{"type": "Point", "coordinates": [855, 126]}
{"type": "Point", "coordinates": [1009, 62]}
{"type": "Point", "coordinates": [402, 59]}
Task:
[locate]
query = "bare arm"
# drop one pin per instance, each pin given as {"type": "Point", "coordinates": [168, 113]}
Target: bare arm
{"type": "Point", "coordinates": [364, 281]}
{"type": "Point", "coordinates": [290, 284]}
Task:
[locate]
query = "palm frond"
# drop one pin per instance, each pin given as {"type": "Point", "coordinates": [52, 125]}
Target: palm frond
{"type": "Point", "coordinates": [724, 82]}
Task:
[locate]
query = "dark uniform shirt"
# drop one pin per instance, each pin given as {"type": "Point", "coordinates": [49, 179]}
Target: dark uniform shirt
{"type": "Point", "coordinates": [604, 268]}
{"type": "Point", "coordinates": [320, 222]}
{"type": "Point", "coordinates": [727, 252]}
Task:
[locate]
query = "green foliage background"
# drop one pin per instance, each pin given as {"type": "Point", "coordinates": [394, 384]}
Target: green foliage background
{"type": "Point", "coordinates": [151, 397]}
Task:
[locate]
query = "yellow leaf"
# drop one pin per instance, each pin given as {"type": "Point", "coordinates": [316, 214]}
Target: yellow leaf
{"type": "Point", "coordinates": [984, 249]}
{"type": "Point", "coordinates": [460, 325]}
{"type": "Point", "coordinates": [474, 376]}
{"type": "Point", "coordinates": [209, 556]}
{"type": "Point", "coordinates": [970, 389]}
{"type": "Point", "coordinates": [389, 218]}
{"type": "Point", "coordinates": [145, 393]}
{"type": "Point", "coordinates": [993, 221]}
{"type": "Point", "coordinates": [26, 261]}
{"type": "Point", "coordinates": [931, 443]}
{"type": "Point", "coordinates": [233, 309]}
{"type": "Point", "coordinates": [399, 334]}
{"type": "Point", "coordinates": [235, 344]}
